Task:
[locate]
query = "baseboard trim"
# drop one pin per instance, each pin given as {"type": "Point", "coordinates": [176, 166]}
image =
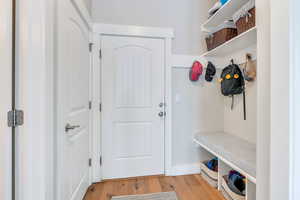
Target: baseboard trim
{"type": "Point", "coordinates": [179, 170]}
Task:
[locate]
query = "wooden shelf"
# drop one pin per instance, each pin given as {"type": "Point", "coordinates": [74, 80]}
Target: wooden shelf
{"type": "Point", "coordinates": [223, 14]}
{"type": "Point", "coordinates": [240, 42]}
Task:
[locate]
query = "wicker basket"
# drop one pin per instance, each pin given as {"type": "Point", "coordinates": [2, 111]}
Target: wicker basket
{"type": "Point", "coordinates": [224, 35]}
{"type": "Point", "coordinates": [220, 35]}
{"type": "Point", "coordinates": [209, 175]}
{"type": "Point", "coordinates": [210, 42]}
{"type": "Point", "coordinates": [246, 22]}
{"type": "Point", "coordinates": [228, 194]}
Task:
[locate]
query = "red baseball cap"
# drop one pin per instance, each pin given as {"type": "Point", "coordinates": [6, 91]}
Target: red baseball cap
{"type": "Point", "coordinates": [196, 71]}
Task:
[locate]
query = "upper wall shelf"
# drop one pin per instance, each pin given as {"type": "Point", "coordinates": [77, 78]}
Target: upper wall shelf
{"type": "Point", "coordinates": [223, 14]}
{"type": "Point", "coordinates": [240, 42]}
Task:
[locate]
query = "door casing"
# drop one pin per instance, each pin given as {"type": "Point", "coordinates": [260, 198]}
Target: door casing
{"type": "Point", "coordinates": [6, 100]}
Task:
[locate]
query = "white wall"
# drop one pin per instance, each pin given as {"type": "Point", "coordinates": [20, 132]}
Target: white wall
{"type": "Point", "coordinates": [88, 4]}
{"type": "Point", "coordinates": [280, 100]}
{"type": "Point", "coordinates": [184, 16]}
{"type": "Point", "coordinates": [263, 97]}
{"type": "Point", "coordinates": [197, 107]}
{"type": "Point", "coordinates": [234, 122]}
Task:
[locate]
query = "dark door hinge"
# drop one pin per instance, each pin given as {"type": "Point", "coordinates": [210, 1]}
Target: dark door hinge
{"type": "Point", "coordinates": [100, 54]}
{"type": "Point", "coordinates": [100, 161]}
{"type": "Point", "coordinates": [100, 107]}
{"type": "Point", "coordinates": [90, 105]}
{"type": "Point", "coordinates": [15, 118]}
{"type": "Point", "coordinates": [90, 162]}
{"type": "Point", "coordinates": [91, 47]}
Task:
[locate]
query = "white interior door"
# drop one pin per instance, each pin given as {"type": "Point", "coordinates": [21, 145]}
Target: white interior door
{"type": "Point", "coordinates": [5, 100]}
{"type": "Point", "coordinates": [133, 109]}
{"type": "Point", "coordinates": [73, 112]}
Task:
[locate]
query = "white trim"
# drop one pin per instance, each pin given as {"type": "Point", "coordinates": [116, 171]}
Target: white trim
{"type": "Point", "coordinates": [295, 97]}
{"type": "Point", "coordinates": [139, 31]}
{"type": "Point", "coordinates": [6, 99]}
{"type": "Point", "coordinates": [168, 107]}
{"type": "Point", "coordinates": [96, 100]}
{"type": "Point", "coordinates": [83, 11]}
{"type": "Point", "coordinates": [35, 137]}
{"type": "Point", "coordinates": [281, 106]}
{"type": "Point", "coordinates": [179, 170]}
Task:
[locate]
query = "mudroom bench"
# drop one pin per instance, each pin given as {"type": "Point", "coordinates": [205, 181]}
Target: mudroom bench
{"type": "Point", "coordinates": [233, 153]}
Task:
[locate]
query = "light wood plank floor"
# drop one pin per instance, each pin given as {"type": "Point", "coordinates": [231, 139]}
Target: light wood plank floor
{"type": "Point", "coordinates": [189, 187]}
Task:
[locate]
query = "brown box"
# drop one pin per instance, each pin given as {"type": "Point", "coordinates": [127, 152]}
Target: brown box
{"type": "Point", "coordinates": [224, 35]}
{"type": "Point", "coordinates": [210, 42]}
{"type": "Point", "coordinates": [246, 22]}
{"type": "Point", "coordinates": [220, 37]}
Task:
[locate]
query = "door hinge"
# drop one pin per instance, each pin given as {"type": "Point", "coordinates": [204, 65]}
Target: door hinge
{"type": "Point", "coordinates": [100, 54]}
{"type": "Point", "coordinates": [91, 47]}
{"type": "Point", "coordinates": [100, 161]}
{"type": "Point", "coordinates": [90, 162]}
{"type": "Point", "coordinates": [15, 118]}
{"type": "Point", "coordinates": [90, 105]}
{"type": "Point", "coordinates": [100, 107]}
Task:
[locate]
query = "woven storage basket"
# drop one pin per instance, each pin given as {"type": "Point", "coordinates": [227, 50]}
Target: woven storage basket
{"type": "Point", "coordinates": [228, 194]}
{"type": "Point", "coordinates": [210, 42]}
{"type": "Point", "coordinates": [224, 35]}
{"type": "Point", "coordinates": [246, 22]}
{"type": "Point", "coordinates": [209, 175]}
{"type": "Point", "coordinates": [221, 34]}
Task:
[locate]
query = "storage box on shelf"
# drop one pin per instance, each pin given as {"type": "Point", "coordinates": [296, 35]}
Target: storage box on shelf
{"type": "Point", "coordinates": [224, 13]}
{"type": "Point", "coordinates": [240, 35]}
{"type": "Point", "coordinates": [245, 17]}
{"type": "Point", "coordinates": [246, 22]}
{"type": "Point", "coordinates": [228, 194]}
{"type": "Point", "coordinates": [224, 35]}
{"type": "Point", "coordinates": [220, 35]}
{"type": "Point", "coordinates": [209, 175]}
{"type": "Point", "coordinates": [237, 43]}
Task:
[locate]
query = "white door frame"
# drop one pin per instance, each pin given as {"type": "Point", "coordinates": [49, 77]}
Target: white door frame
{"type": "Point", "coordinates": [136, 31]}
{"type": "Point", "coordinates": [36, 81]}
{"type": "Point", "coordinates": [284, 182]}
{"type": "Point", "coordinates": [295, 99]}
{"type": "Point", "coordinates": [6, 100]}
{"type": "Point", "coordinates": [285, 138]}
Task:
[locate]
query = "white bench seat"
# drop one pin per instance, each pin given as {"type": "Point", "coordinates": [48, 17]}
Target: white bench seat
{"type": "Point", "coordinates": [234, 151]}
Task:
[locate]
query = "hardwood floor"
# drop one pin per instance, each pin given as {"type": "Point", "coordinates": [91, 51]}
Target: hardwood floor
{"type": "Point", "coordinates": [189, 187]}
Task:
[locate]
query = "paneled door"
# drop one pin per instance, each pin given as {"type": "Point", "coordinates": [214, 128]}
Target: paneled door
{"type": "Point", "coordinates": [133, 106]}
{"type": "Point", "coordinates": [5, 99]}
{"type": "Point", "coordinates": [73, 94]}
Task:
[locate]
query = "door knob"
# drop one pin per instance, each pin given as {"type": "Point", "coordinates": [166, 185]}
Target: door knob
{"type": "Point", "coordinates": [161, 114]}
{"type": "Point", "coordinates": [69, 127]}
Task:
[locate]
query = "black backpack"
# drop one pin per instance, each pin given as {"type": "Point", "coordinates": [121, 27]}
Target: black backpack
{"type": "Point", "coordinates": [233, 83]}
